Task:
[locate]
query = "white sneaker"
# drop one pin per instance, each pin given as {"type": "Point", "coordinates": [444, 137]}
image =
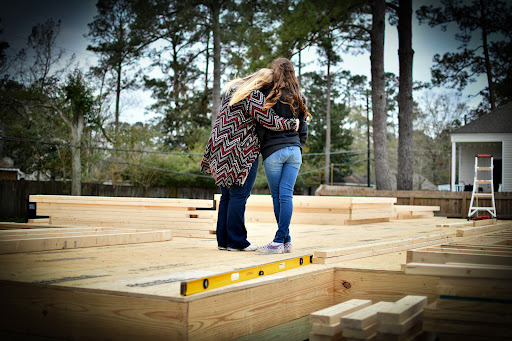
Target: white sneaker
{"type": "Point", "coordinates": [251, 247]}
{"type": "Point", "coordinates": [272, 248]}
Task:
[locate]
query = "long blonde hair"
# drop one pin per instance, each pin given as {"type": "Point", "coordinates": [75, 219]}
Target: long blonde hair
{"type": "Point", "coordinates": [258, 80]}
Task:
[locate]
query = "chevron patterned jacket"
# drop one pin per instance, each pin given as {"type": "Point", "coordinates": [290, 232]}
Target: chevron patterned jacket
{"type": "Point", "coordinates": [234, 145]}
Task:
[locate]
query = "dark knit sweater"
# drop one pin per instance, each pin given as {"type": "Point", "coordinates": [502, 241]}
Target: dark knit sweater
{"type": "Point", "coordinates": [272, 141]}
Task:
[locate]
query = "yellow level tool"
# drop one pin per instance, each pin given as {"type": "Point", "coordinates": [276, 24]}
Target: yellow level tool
{"type": "Point", "coordinates": [195, 286]}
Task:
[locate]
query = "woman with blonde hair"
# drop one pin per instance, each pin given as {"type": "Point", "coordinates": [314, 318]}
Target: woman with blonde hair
{"type": "Point", "coordinates": [282, 150]}
{"type": "Point", "coordinates": [231, 154]}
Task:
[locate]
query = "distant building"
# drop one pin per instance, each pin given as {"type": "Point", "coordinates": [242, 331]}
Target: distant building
{"type": "Point", "coordinates": [489, 134]}
{"type": "Point", "coordinates": [7, 170]}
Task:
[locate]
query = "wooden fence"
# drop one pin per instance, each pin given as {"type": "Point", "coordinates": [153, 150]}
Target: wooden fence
{"type": "Point", "coordinates": [14, 196]}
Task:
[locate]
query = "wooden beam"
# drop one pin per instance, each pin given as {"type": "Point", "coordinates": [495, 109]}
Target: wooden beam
{"type": "Point", "coordinates": [66, 313]}
{"type": "Point", "coordinates": [94, 238]}
{"type": "Point", "coordinates": [403, 326]}
{"type": "Point", "coordinates": [460, 270]}
{"type": "Point", "coordinates": [331, 315]}
{"type": "Point", "coordinates": [250, 310]}
{"type": "Point", "coordinates": [125, 201]}
{"type": "Point", "coordinates": [380, 285]}
{"type": "Point", "coordinates": [471, 231]}
{"type": "Point", "coordinates": [364, 317]}
{"type": "Point", "coordinates": [402, 310]}
{"type": "Point", "coordinates": [366, 333]}
{"type": "Point", "coordinates": [381, 245]}
{"type": "Point", "coordinates": [420, 256]}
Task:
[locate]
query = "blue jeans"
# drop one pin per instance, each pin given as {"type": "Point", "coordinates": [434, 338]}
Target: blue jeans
{"type": "Point", "coordinates": [281, 170]}
{"type": "Point", "coordinates": [231, 231]}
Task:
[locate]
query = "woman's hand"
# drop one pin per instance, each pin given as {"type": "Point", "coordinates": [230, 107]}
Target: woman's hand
{"type": "Point", "coordinates": [298, 122]}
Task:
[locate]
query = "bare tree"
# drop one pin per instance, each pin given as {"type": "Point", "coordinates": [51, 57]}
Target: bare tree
{"type": "Point", "coordinates": [74, 103]}
{"type": "Point", "coordinates": [405, 171]}
{"type": "Point", "coordinates": [380, 143]}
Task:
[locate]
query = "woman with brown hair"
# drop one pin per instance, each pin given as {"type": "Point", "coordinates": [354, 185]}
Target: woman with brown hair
{"type": "Point", "coordinates": [231, 155]}
{"type": "Point", "coordinates": [282, 150]}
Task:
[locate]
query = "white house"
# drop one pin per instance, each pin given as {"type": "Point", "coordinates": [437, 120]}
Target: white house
{"type": "Point", "coordinates": [489, 134]}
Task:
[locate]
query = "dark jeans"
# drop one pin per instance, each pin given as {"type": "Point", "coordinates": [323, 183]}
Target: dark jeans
{"type": "Point", "coordinates": [231, 231]}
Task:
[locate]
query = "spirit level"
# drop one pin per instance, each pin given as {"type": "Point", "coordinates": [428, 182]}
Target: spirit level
{"type": "Point", "coordinates": [206, 283]}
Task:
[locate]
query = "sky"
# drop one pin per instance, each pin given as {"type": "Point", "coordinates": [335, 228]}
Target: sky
{"type": "Point", "coordinates": [18, 17]}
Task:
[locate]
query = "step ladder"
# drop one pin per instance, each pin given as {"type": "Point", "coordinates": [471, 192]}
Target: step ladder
{"type": "Point", "coordinates": [483, 181]}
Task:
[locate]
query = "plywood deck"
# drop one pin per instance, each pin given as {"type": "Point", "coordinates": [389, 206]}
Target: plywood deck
{"type": "Point", "coordinates": [149, 275]}
{"type": "Point", "coordinates": [157, 268]}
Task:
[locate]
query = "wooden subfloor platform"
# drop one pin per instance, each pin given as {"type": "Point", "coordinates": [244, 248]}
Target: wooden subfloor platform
{"type": "Point", "coordinates": [132, 291]}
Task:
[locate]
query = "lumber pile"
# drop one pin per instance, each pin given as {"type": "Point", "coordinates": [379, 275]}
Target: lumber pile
{"type": "Point", "coordinates": [322, 210]}
{"type": "Point", "coordinates": [475, 287]}
{"type": "Point", "coordinates": [403, 320]}
{"type": "Point", "coordinates": [414, 211]}
{"type": "Point", "coordinates": [374, 249]}
{"type": "Point", "coordinates": [184, 217]}
{"type": "Point", "coordinates": [326, 322]}
{"type": "Point", "coordinates": [46, 239]}
{"type": "Point", "coordinates": [361, 320]}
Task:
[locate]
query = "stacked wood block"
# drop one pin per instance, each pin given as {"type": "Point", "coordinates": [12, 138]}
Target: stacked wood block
{"type": "Point", "coordinates": [475, 287]}
{"type": "Point", "coordinates": [184, 217]}
{"type": "Point", "coordinates": [403, 320]}
{"type": "Point", "coordinates": [361, 320]}
{"type": "Point", "coordinates": [363, 324]}
{"type": "Point", "coordinates": [45, 239]}
{"type": "Point", "coordinates": [374, 249]}
{"type": "Point", "coordinates": [322, 210]}
{"type": "Point", "coordinates": [370, 209]}
{"type": "Point", "coordinates": [326, 322]}
{"type": "Point", "coordinates": [414, 211]}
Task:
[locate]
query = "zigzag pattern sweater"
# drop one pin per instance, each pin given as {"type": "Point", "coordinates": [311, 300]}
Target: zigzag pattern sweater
{"type": "Point", "coordinates": [234, 145]}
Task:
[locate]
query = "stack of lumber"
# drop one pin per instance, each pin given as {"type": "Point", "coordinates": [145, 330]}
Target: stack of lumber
{"type": "Point", "coordinates": [45, 239]}
{"type": "Point", "coordinates": [414, 211]}
{"type": "Point", "coordinates": [361, 320]}
{"type": "Point", "coordinates": [374, 249]}
{"type": "Point", "coordinates": [363, 324]}
{"type": "Point", "coordinates": [475, 287]}
{"type": "Point", "coordinates": [403, 320]}
{"type": "Point", "coordinates": [322, 210]}
{"type": "Point", "coordinates": [326, 322]}
{"type": "Point", "coordinates": [184, 217]}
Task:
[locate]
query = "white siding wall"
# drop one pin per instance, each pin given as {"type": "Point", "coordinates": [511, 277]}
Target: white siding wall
{"type": "Point", "coordinates": [507, 165]}
{"type": "Point", "coordinates": [500, 145]}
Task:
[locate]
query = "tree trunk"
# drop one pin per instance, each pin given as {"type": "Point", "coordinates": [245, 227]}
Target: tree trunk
{"type": "Point", "coordinates": [118, 99]}
{"type": "Point", "coordinates": [76, 166]}
{"type": "Point", "coordinates": [328, 125]}
{"type": "Point", "coordinates": [300, 66]}
{"type": "Point", "coordinates": [488, 69]}
{"type": "Point", "coordinates": [215, 12]}
{"type": "Point", "coordinates": [405, 171]}
{"type": "Point", "coordinates": [380, 143]}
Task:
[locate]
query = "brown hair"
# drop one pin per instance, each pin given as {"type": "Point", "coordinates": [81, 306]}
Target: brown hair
{"type": "Point", "coordinates": [287, 86]}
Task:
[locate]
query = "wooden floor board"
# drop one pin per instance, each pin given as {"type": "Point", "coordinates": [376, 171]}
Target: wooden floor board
{"type": "Point", "coordinates": [153, 271]}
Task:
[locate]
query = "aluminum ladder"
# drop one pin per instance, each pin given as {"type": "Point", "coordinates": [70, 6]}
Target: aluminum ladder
{"type": "Point", "coordinates": [487, 181]}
